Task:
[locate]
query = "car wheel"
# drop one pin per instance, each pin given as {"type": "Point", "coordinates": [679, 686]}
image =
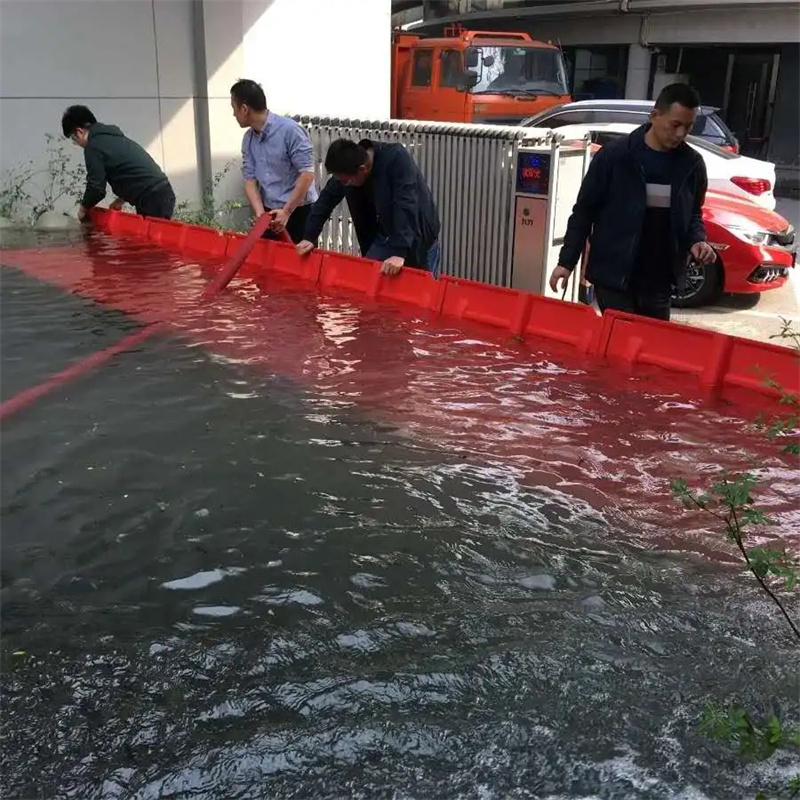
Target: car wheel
{"type": "Point", "coordinates": [703, 285]}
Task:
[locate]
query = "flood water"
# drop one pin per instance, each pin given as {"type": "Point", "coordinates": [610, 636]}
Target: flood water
{"type": "Point", "coordinates": [296, 546]}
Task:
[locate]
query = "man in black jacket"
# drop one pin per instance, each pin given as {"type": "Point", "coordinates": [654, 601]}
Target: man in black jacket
{"type": "Point", "coordinates": [391, 206]}
{"type": "Point", "coordinates": [112, 158]}
{"type": "Point", "coordinates": [640, 206]}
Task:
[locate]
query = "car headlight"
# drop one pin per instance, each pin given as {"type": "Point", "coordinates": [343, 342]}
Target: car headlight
{"type": "Point", "coordinates": [751, 235]}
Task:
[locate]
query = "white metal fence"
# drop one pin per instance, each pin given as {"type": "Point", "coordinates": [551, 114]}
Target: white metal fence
{"type": "Point", "coordinates": [470, 170]}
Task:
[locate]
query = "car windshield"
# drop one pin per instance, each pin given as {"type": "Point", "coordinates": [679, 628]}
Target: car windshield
{"type": "Point", "coordinates": [520, 70]}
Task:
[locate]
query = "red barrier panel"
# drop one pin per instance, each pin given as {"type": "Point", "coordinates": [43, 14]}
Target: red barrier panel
{"type": "Point", "coordinates": [282, 257]}
{"type": "Point", "coordinates": [112, 220]}
{"type": "Point", "coordinates": [571, 323]}
{"type": "Point", "coordinates": [481, 302]}
{"type": "Point", "coordinates": [255, 259]}
{"type": "Point", "coordinates": [101, 217]}
{"type": "Point", "coordinates": [167, 233]}
{"type": "Point", "coordinates": [233, 240]}
{"type": "Point", "coordinates": [634, 339]}
{"type": "Point", "coordinates": [131, 225]}
{"type": "Point", "coordinates": [769, 369]}
{"type": "Point", "coordinates": [350, 272]}
{"type": "Point", "coordinates": [413, 286]}
{"type": "Point", "coordinates": [207, 241]}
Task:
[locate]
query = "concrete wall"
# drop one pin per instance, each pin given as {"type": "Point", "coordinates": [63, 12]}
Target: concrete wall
{"type": "Point", "coordinates": [139, 64]}
{"type": "Point", "coordinates": [50, 57]}
{"type": "Point", "coordinates": [338, 65]}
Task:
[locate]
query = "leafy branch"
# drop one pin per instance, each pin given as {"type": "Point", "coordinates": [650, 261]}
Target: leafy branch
{"type": "Point", "coordinates": [730, 501]}
{"type": "Point", "coordinates": [754, 742]}
{"type": "Point", "coordinates": [27, 192]}
{"type": "Point", "coordinates": [209, 213]}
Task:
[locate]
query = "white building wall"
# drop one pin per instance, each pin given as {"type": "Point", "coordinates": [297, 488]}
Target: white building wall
{"type": "Point", "coordinates": [54, 53]}
{"type": "Point", "coordinates": [321, 57]}
{"type": "Point", "coordinates": [133, 62]}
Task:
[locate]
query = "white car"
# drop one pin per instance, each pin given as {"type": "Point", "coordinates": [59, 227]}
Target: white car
{"type": "Point", "coordinates": [728, 172]}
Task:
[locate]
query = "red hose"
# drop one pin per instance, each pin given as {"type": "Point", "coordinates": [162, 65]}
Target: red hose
{"type": "Point", "coordinates": [28, 396]}
{"type": "Point", "coordinates": [242, 251]}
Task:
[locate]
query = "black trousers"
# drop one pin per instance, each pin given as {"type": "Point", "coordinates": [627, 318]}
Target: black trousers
{"type": "Point", "coordinates": [295, 227]}
{"type": "Point", "coordinates": [157, 202]}
{"type": "Point", "coordinates": [654, 303]}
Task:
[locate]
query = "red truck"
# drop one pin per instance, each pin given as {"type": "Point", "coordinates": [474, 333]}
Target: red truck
{"type": "Point", "coordinates": [475, 76]}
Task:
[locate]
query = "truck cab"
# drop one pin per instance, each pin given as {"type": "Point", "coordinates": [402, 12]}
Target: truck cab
{"type": "Point", "coordinates": [475, 76]}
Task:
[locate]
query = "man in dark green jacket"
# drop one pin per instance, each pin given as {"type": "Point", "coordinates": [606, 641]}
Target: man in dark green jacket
{"type": "Point", "coordinates": [112, 158]}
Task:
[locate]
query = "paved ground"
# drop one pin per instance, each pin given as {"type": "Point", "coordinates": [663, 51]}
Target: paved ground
{"type": "Point", "coordinates": [755, 316]}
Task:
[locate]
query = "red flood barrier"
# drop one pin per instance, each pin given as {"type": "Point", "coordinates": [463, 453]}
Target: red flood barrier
{"type": "Point", "coordinates": [282, 258]}
{"type": "Point", "coordinates": [723, 366]}
{"type": "Point", "coordinates": [761, 367]}
{"type": "Point", "coordinates": [571, 323]}
{"type": "Point", "coordinates": [412, 286]}
{"type": "Point", "coordinates": [205, 241]}
{"type": "Point", "coordinates": [350, 272]}
{"type": "Point", "coordinates": [481, 302]}
{"type": "Point", "coordinates": [168, 233]}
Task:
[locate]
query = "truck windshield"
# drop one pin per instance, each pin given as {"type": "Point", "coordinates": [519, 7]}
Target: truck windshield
{"type": "Point", "coordinates": [520, 70]}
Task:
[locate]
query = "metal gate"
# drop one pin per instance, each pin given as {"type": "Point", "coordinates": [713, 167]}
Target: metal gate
{"type": "Point", "coordinates": [471, 172]}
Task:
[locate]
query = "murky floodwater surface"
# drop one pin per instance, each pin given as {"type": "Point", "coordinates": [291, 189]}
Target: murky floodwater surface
{"type": "Point", "coordinates": [301, 547]}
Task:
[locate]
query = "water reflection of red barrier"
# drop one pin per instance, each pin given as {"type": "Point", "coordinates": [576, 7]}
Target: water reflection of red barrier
{"type": "Point", "coordinates": [411, 352]}
{"type": "Point", "coordinates": [721, 366]}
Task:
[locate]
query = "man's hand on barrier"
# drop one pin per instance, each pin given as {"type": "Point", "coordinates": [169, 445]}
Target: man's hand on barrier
{"type": "Point", "coordinates": [117, 204]}
{"type": "Point", "coordinates": [83, 214]}
{"type": "Point", "coordinates": [392, 265]}
{"type": "Point", "coordinates": [304, 248]}
{"type": "Point", "coordinates": [559, 275]}
{"type": "Point", "coordinates": [703, 252]}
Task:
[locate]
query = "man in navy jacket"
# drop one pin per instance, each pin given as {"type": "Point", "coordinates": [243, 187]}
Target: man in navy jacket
{"type": "Point", "coordinates": [640, 206]}
{"type": "Point", "coordinates": [392, 209]}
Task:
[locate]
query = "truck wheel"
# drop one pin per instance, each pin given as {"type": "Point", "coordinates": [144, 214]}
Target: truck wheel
{"type": "Point", "coordinates": [703, 285]}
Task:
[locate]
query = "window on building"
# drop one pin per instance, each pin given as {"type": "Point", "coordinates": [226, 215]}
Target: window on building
{"type": "Point", "coordinates": [451, 75]}
{"type": "Point", "coordinates": [422, 68]}
{"type": "Point", "coordinates": [597, 73]}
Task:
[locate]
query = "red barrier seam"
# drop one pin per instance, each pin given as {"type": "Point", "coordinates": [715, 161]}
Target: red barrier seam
{"type": "Point", "coordinates": [29, 396]}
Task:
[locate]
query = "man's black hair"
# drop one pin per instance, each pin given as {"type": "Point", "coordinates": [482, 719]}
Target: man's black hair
{"type": "Point", "coordinates": [344, 157]}
{"type": "Point", "coordinates": [76, 117]}
{"type": "Point", "coordinates": [680, 93]}
{"type": "Point", "coordinates": [249, 93]}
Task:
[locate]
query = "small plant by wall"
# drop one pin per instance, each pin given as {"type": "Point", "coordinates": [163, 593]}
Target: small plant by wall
{"type": "Point", "coordinates": [28, 191]}
{"type": "Point", "coordinates": [229, 215]}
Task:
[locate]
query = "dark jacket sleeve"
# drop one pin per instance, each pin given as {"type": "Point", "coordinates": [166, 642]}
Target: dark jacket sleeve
{"type": "Point", "coordinates": [95, 177]}
{"type": "Point", "coordinates": [331, 195]}
{"type": "Point", "coordinates": [697, 230]}
{"type": "Point", "coordinates": [590, 198]}
{"type": "Point", "coordinates": [405, 205]}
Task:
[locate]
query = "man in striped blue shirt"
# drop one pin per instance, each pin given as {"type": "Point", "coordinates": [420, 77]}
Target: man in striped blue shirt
{"type": "Point", "coordinates": [277, 161]}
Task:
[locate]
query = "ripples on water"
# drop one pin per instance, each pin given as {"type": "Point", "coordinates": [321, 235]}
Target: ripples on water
{"type": "Point", "coordinates": [303, 548]}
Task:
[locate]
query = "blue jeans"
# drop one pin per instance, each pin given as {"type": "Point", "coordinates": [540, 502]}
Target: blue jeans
{"type": "Point", "coordinates": [379, 251]}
